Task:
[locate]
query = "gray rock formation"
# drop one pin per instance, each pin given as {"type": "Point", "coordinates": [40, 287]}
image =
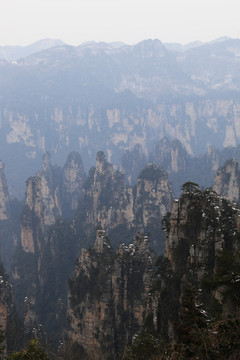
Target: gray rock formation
{"type": "Point", "coordinates": [107, 296]}
{"type": "Point", "coordinates": [50, 194]}
{"type": "Point", "coordinates": [122, 209]}
{"type": "Point", "coordinates": [200, 225]}
{"type": "Point", "coordinates": [4, 195]}
{"type": "Point", "coordinates": [227, 181]}
{"type": "Point", "coordinates": [73, 178]}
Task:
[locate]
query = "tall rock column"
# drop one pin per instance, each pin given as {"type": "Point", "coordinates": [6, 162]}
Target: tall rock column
{"type": "Point", "coordinates": [9, 228]}
{"type": "Point", "coordinates": [153, 198]}
{"type": "Point", "coordinates": [122, 209]}
{"type": "Point", "coordinates": [227, 181]}
{"type": "Point", "coordinates": [42, 206]}
{"type": "Point", "coordinates": [107, 296]}
{"type": "Point", "coordinates": [4, 195]}
{"type": "Point", "coordinates": [73, 178]}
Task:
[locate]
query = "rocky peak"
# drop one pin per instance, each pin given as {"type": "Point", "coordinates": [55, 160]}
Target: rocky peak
{"type": "Point", "coordinates": [212, 158]}
{"type": "Point", "coordinates": [227, 181]}
{"type": "Point", "coordinates": [101, 163]}
{"type": "Point", "coordinates": [33, 196]}
{"type": "Point", "coordinates": [153, 194]}
{"type": "Point", "coordinates": [107, 200]}
{"type": "Point", "coordinates": [107, 297]}
{"type": "Point", "coordinates": [44, 198]}
{"type": "Point", "coordinates": [202, 245]}
{"type": "Point", "coordinates": [132, 162]}
{"type": "Point", "coordinates": [4, 195]}
{"type": "Point", "coordinates": [73, 178]}
{"type": "Point", "coordinates": [102, 243]}
{"type": "Point", "coordinates": [151, 48]}
{"type": "Point", "coordinates": [46, 161]}
{"type": "Point", "coordinates": [141, 242]}
{"type": "Point", "coordinates": [103, 177]}
{"type": "Point", "coordinates": [200, 224]}
{"type": "Point", "coordinates": [170, 155]}
{"type": "Point", "coordinates": [50, 194]}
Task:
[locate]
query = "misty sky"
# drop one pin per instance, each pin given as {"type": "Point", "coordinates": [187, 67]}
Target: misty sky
{"type": "Point", "coordinates": [75, 21]}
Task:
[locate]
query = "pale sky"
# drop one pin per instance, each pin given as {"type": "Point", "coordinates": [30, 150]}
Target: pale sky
{"type": "Point", "coordinates": [75, 21]}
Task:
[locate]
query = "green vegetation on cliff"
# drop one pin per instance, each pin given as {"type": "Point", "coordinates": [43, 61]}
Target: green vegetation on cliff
{"type": "Point", "coordinates": [196, 284]}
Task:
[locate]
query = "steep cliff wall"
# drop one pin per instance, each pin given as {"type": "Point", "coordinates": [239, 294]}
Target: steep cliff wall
{"type": "Point", "coordinates": [117, 129]}
{"type": "Point", "coordinates": [227, 181]}
{"type": "Point", "coordinates": [50, 194]}
{"type": "Point", "coordinates": [42, 206]}
{"type": "Point", "coordinates": [123, 129]}
{"type": "Point", "coordinates": [202, 236]}
{"type": "Point", "coordinates": [122, 209]}
{"type": "Point", "coordinates": [106, 199]}
{"type": "Point", "coordinates": [181, 167]}
{"type": "Point", "coordinates": [4, 195]}
{"type": "Point", "coordinates": [202, 246]}
{"type": "Point", "coordinates": [200, 225]}
{"type": "Point", "coordinates": [8, 317]}
{"type": "Point", "coordinates": [153, 195]}
{"type": "Point", "coordinates": [108, 295]}
{"type": "Point", "coordinates": [132, 162]}
{"type": "Point", "coordinates": [49, 245]}
{"type": "Point", "coordinates": [113, 295]}
{"type": "Point", "coordinates": [44, 256]}
{"type": "Point", "coordinates": [73, 178]}
{"type": "Point", "coordinates": [9, 226]}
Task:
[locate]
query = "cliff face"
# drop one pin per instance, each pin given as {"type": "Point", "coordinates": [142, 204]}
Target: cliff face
{"type": "Point", "coordinates": [116, 295]}
{"type": "Point", "coordinates": [49, 245]}
{"type": "Point", "coordinates": [201, 231]}
{"type": "Point", "coordinates": [9, 226]}
{"type": "Point", "coordinates": [227, 181]}
{"type": "Point", "coordinates": [172, 156]}
{"type": "Point", "coordinates": [50, 194]}
{"type": "Point", "coordinates": [202, 223]}
{"type": "Point", "coordinates": [7, 313]}
{"type": "Point", "coordinates": [132, 162]}
{"type": "Point", "coordinates": [106, 199]}
{"type": "Point", "coordinates": [118, 207]}
{"type": "Point", "coordinates": [44, 256]}
{"type": "Point", "coordinates": [123, 97]}
{"type": "Point", "coordinates": [107, 296]}
{"type": "Point", "coordinates": [73, 178]}
{"type": "Point", "coordinates": [42, 206]}
{"type": "Point", "coordinates": [182, 167]}
{"type": "Point", "coordinates": [4, 195]}
{"type": "Point", "coordinates": [153, 195]}
{"type": "Point", "coordinates": [117, 129]}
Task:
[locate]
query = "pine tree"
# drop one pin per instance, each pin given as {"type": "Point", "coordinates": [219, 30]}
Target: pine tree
{"type": "Point", "coordinates": [32, 352]}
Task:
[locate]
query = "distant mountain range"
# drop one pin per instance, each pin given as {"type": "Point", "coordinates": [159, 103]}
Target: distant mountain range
{"type": "Point", "coordinates": [11, 53]}
{"type": "Point", "coordinates": [112, 97]}
{"type": "Point", "coordinates": [15, 52]}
